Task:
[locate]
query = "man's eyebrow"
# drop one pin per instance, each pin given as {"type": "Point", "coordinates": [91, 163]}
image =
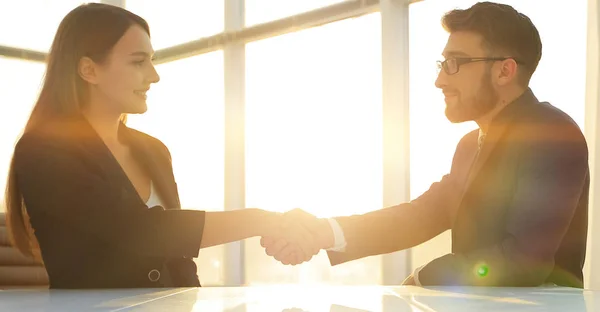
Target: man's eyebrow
{"type": "Point", "coordinates": [454, 53]}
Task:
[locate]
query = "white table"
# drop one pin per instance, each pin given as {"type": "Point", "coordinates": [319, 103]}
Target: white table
{"type": "Point", "coordinates": [304, 298]}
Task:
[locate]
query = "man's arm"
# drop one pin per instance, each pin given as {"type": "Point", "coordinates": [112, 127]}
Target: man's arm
{"type": "Point", "coordinates": [552, 174]}
{"type": "Point", "coordinates": [407, 225]}
{"type": "Point", "coordinates": [398, 227]}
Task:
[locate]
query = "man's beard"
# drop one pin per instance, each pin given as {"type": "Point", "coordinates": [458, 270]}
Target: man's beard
{"type": "Point", "coordinates": [484, 101]}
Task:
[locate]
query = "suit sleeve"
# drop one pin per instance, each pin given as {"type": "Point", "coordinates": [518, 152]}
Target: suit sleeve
{"type": "Point", "coordinates": [552, 172]}
{"type": "Point", "coordinates": [394, 228]}
{"type": "Point", "coordinates": [58, 185]}
{"type": "Point", "coordinates": [405, 225]}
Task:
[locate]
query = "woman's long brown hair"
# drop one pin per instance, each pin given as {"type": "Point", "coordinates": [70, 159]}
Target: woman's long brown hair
{"type": "Point", "coordinates": [90, 30]}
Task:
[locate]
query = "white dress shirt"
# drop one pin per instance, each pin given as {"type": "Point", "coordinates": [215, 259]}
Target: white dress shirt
{"type": "Point", "coordinates": [338, 236]}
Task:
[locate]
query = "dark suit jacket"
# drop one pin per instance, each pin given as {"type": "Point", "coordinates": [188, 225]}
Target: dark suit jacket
{"type": "Point", "coordinates": [93, 229]}
{"type": "Point", "coordinates": [517, 209]}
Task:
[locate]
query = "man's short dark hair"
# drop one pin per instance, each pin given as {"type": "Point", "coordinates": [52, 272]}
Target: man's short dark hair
{"type": "Point", "coordinates": [505, 32]}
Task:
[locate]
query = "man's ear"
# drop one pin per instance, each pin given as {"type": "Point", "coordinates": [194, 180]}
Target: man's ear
{"type": "Point", "coordinates": [508, 72]}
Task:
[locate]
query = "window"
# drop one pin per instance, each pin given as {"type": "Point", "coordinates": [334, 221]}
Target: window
{"type": "Point", "coordinates": [178, 21]}
{"type": "Point", "coordinates": [261, 11]}
{"type": "Point", "coordinates": [434, 138]}
{"type": "Point", "coordinates": [32, 24]}
{"type": "Point", "coordinates": [314, 137]}
{"type": "Point", "coordinates": [185, 111]}
{"type": "Point", "coordinates": [20, 82]}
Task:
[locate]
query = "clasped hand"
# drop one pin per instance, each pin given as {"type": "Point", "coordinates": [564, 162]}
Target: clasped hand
{"type": "Point", "coordinates": [300, 237]}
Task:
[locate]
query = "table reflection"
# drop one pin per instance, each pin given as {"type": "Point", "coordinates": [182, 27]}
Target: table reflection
{"type": "Point", "coordinates": [287, 298]}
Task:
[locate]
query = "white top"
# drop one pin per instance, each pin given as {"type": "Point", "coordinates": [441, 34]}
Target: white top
{"type": "Point", "coordinates": [153, 200]}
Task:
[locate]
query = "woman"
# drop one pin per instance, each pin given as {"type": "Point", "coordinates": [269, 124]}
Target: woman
{"type": "Point", "coordinates": [95, 200]}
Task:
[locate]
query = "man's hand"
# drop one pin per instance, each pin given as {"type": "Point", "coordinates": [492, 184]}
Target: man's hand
{"type": "Point", "coordinates": [303, 236]}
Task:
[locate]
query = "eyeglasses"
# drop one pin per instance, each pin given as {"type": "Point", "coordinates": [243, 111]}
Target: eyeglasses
{"type": "Point", "coordinates": [452, 65]}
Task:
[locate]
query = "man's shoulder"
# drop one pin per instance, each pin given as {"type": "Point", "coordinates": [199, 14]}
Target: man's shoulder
{"type": "Point", "coordinates": [544, 122]}
{"type": "Point", "coordinates": [544, 131]}
{"type": "Point", "coordinates": [546, 113]}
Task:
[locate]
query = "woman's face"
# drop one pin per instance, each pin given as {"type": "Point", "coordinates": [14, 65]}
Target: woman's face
{"type": "Point", "coordinates": [120, 83]}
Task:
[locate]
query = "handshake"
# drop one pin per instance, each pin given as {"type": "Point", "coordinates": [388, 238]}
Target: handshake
{"type": "Point", "coordinates": [298, 237]}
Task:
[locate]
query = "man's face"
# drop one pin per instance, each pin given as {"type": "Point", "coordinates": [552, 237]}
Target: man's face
{"type": "Point", "coordinates": [469, 92]}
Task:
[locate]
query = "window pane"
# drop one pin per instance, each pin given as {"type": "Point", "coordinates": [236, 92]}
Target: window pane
{"type": "Point", "coordinates": [20, 82]}
{"type": "Point", "coordinates": [261, 11]}
{"type": "Point", "coordinates": [32, 24]}
{"type": "Point", "coordinates": [185, 111]}
{"type": "Point", "coordinates": [433, 137]}
{"type": "Point", "coordinates": [314, 137]}
{"type": "Point", "coordinates": [179, 21]}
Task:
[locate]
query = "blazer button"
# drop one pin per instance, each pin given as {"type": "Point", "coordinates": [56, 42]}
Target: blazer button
{"type": "Point", "coordinates": [154, 275]}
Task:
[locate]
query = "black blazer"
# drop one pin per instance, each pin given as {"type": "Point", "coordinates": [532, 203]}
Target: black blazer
{"type": "Point", "coordinates": [518, 209]}
{"type": "Point", "coordinates": [93, 229]}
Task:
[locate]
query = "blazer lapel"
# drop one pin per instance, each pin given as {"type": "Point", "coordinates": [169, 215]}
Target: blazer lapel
{"type": "Point", "coordinates": [157, 165]}
{"type": "Point", "coordinates": [494, 135]}
{"type": "Point", "coordinates": [78, 129]}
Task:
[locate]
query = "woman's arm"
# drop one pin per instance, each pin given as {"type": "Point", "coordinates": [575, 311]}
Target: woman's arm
{"type": "Point", "coordinates": [229, 226]}
{"type": "Point", "coordinates": [222, 227]}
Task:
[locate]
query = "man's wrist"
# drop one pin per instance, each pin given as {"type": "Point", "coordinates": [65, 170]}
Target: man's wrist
{"type": "Point", "coordinates": [326, 236]}
{"type": "Point", "coordinates": [339, 241]}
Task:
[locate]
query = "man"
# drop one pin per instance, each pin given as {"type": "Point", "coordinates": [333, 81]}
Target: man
{"type": "Point", "coordinates": [516, 197]}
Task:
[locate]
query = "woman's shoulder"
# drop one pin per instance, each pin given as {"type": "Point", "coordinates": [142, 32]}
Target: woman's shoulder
{"type": "Point", "coordinates": [34, 149]}
{"type": "Point", "coordinates": [39, 141]}
{"type": "Point", "coordinates": [55, 134]}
